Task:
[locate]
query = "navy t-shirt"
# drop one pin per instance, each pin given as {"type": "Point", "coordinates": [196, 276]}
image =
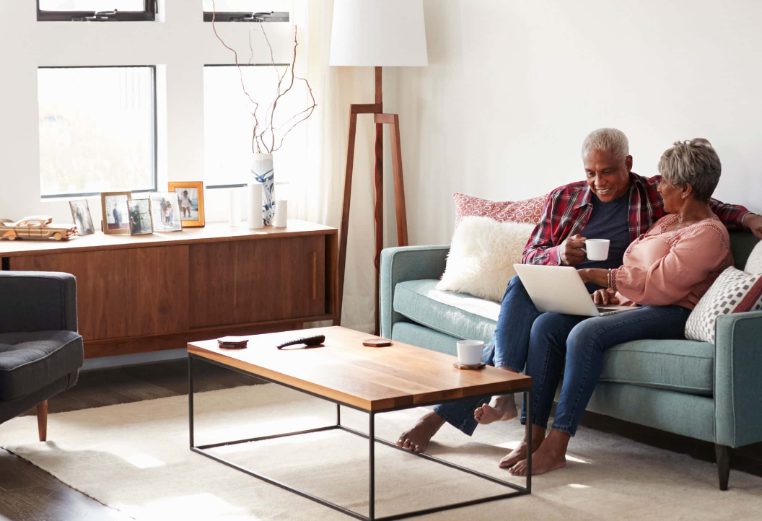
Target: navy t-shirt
{"type": "Point", "coordinates": [609, 221]}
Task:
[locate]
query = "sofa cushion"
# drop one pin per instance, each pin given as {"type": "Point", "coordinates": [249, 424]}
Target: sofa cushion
{"type": "Point", "coordinates": [456, 314]}
{"type": "Point", "coordinates": [678, 365]}
{"type": "Point", "coordinates": [30, 360]}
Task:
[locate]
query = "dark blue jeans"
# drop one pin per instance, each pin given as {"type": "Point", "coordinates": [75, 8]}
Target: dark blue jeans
{"type": "Point", "coordinates": [508, 349]}
{"type": "Point", "coordinates": [570, 349]}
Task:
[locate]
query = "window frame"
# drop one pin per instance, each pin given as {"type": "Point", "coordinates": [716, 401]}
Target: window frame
{"type": "Point", "coordinates": [148, 14]}
{"type": "Point", "coordinates": [247, 16]}
{"type": "Point", "coordinates": [155, 129]}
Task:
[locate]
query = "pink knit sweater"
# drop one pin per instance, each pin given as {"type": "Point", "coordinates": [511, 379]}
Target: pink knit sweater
{"type": "Point", "coordinates": [662, 268]}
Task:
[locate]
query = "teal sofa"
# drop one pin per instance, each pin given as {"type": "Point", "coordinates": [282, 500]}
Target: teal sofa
{"type": "Point", "coordinates": [712, 392]}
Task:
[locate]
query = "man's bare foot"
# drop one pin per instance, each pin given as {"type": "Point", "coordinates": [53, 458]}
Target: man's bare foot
{"type": "Point", "coordinates": [550, 456]}
{"type": "Point", "coordinates": [504, 409]}
{"type": "Point", "coordinates": [520, 452]}
{"type": "Point", "coordinates": [417, 439]}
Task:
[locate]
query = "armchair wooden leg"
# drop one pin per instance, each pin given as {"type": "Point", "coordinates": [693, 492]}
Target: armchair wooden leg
{"type": "Point", "coordinates": [42, 420]}
{"type": "Point", "coordinates": [722, 454]}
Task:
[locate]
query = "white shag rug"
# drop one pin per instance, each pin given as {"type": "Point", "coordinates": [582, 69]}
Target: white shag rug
{"type": "Point", "coordinates": [135, 458]}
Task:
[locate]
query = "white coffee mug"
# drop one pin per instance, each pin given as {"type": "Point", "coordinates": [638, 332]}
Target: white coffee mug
{"type": "Point", "coordinates": [470, 352]}
{"type": "Point", "coordinates": [597, 249]}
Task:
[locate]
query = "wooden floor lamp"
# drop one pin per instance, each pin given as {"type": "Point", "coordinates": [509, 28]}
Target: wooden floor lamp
{"type": "Point", "coordinates": [376, 33]}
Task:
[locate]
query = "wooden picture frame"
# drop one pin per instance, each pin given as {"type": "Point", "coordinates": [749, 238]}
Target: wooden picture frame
{"type": "Point", "coordinates": [115, 212]}
{"type": "Point", "coordinates": [139, 211]}
{"type": "Point", "coordinates": [190, 195]}
{"type": "Point", "coordinates": [83, 220]}
{"type": "Point", "coordinates": [165, 212]}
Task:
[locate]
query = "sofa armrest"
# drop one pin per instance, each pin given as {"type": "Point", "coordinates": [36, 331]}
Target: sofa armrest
{"type": "Point", "coordinates": [37, 301]}
{"type": "Point", "coordinates": [737, 382]}
{"type": "Point", "coordinates": [405, 263]}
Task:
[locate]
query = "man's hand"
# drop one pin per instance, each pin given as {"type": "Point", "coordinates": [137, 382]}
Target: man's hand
{"type": "Point", "coordinates": [572, 250]}
{"type": "Point", "coordinates": [605, 297]}
{"type": "Point", "coordinates": [754, 223]}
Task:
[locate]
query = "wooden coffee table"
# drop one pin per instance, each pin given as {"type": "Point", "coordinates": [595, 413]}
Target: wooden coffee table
{"type": "Point", "coordinates": [372, 380]}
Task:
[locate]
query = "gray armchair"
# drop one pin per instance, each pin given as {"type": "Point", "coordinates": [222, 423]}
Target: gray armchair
{"type": "Point", "coordinates": [40, 350]}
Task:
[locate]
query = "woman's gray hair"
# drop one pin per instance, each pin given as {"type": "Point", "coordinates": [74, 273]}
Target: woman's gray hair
{"type": "Point", "coordinates": [608, 139]}
{"type": "Point", "coordinates": [693, 162]}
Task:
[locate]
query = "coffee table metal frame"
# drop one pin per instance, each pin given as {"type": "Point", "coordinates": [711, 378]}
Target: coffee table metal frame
{"type": "Point", "coordinates": [204, 451]}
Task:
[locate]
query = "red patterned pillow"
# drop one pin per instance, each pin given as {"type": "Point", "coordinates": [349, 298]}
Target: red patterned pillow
{"type": "Point", "coordinates": [525, 211]}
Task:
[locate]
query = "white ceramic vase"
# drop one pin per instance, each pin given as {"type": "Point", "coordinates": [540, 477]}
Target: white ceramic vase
{"type": "Point", "coordinates": [262, 170]}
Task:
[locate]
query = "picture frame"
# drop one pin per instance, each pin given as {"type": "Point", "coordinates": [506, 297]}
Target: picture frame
{"type": "Point", "coordinates": [115, 212]}
{"type": "Point", "coordinates": [80, 212]}
{"type": "Point", "coordinates": [165, 212]}
{"type": "Point", "coordinates": [190, 195]}
{"type": "Point", "coordinates": [139, 211]}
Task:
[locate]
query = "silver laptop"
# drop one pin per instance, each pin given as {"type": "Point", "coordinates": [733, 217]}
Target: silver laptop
{"type": "Point", "coordinates": [560, 289]}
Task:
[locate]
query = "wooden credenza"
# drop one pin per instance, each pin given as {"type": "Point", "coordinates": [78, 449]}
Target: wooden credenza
{"type": "Point", "coordinates": [160, 291]}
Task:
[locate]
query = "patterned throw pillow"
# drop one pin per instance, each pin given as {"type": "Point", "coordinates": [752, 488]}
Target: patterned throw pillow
{"type": "Point", "coordinates": [734, 291]}
{"type": "Point", "coordinates": [526, 211]}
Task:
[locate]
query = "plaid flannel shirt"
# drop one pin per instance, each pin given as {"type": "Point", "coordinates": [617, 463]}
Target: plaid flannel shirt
{"type": "Point", "coordinates": [568, 208]}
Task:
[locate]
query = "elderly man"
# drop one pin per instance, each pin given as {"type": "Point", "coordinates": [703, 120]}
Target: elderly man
{"type": "Point", "coordinates": [612, 203]}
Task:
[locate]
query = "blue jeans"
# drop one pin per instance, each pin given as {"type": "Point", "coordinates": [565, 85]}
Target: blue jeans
{"type": "Point", "coordinates": [570, 349]}
{"type": "Point", "coordinates": [508, 349]}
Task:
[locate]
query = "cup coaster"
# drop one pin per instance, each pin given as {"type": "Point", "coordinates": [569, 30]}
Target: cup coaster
{"type": "Point", "coordinates": [377, 342]}
{"type": "Point", "coordinates": [458, 365]}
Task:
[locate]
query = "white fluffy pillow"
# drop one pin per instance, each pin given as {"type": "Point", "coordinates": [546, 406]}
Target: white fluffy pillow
{"type": "Point", "coordinates": [754, 262]}
{"type": "Point", "coordinates": [482, 254]}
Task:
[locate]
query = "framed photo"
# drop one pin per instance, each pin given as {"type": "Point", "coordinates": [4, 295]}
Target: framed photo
{"type": "Point", "coordinates": [139, 211]}
{"type": "Point", "coordinates": [80, 212]}
{"type": "Point", "coordinates": [190, 195]}
{"type": "Point", "coordinates": [165, 212]}
{"type": "Point", "coordinates": [115, 212]}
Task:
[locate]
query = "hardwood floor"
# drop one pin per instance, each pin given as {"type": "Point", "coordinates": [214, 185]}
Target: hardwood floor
{"type": "Point", "coordinates": [30, 494]}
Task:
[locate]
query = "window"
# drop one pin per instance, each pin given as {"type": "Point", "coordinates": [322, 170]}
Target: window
{"type": "Point", "coordinates": [97, 130]}
{"type": "Point", "coordinates": [96, 10]}
{"type": "Point", "coordinates": [228, 122]}
{"type": "Point", "coordinates": [247, 10]}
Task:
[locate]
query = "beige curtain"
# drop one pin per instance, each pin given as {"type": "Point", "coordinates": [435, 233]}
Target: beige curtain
{"type": "Point", "coordinates": [317, 189]}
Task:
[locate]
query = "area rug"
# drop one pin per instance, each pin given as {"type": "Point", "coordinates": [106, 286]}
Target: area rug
{"type": "Point", "coordinates": [135, 458]}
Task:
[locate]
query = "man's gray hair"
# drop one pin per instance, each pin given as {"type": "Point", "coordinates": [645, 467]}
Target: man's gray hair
{"type": "Point", "coordinates": [694, 163]}
{"type": "Point", "coordinates": [607, 139]}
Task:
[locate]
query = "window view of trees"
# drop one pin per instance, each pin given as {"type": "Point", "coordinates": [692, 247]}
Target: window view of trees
{"type": "Point", "coordinates": [97, 129]}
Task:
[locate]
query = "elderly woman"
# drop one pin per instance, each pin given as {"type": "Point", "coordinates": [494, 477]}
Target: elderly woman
{"type": "Point", "coordinates": [665, 272]}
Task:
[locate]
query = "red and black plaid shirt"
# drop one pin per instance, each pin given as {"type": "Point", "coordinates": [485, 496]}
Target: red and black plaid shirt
{"type": "Point", "coordinates": [568, 208]}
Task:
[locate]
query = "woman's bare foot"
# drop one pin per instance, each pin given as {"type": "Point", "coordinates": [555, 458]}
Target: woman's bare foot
{"type": "Point", "coordinates": [504, 409]}
{"type": "Point", "coordinates": [520, 452]}
{"type": "Point", "coordinates": [417, 439]}
{"type": "Point", "coordinates": [550, 456]}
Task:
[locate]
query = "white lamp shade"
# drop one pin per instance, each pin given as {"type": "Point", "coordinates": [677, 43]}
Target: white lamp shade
{"type": "Point", "coordinates": [378, 33]}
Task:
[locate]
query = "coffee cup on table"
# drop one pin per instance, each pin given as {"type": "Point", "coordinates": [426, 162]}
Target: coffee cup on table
{"type": "Point", "coordinates": [597, 249]}
{"type": "Point", "coordinates": [470, 352]}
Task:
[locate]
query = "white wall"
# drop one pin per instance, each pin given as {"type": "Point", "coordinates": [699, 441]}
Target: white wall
{"type": "Point", "coordinates": [513, 87]}
{"type": "Point", "coordinates": [180, 45]}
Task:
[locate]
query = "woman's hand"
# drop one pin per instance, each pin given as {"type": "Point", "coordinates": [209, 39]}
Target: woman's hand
{"type": "Point", "coordinates": [598, 276]}
{"type": "Point", "coordinates": [605, 297]}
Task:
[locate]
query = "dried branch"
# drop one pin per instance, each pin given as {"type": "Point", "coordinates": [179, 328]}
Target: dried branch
{"type": "Point", "coordinates": [240, 76]}
{"type": "Point", "coordinates": [274, 106]}
{"type": "Point", "coordinates": [265, 134]}
{"type": "Point", "coordinates": [308, 112]}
